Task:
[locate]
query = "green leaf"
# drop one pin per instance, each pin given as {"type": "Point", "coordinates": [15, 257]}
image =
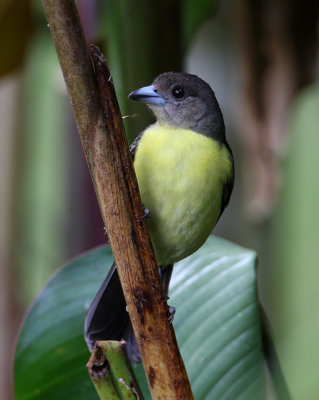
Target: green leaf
{"type": "Point", "coordinates": [216, 322]}
{"type": "Point", "coordinates": [51, 353]}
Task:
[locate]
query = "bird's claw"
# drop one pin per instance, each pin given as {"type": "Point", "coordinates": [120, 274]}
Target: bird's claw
{"type": "Point", "coordinates": [147, 213]}
{"type": "Point", "coordinates": [172, 311]}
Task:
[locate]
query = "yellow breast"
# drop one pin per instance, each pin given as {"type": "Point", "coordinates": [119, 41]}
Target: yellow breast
{"type": "Point", "coordinates": [181, 175]}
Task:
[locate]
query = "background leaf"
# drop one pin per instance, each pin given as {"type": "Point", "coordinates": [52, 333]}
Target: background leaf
{"type": "Point", "coordinates": [194, 14]}
{"type": "Point", "coordinates": [217, 326]}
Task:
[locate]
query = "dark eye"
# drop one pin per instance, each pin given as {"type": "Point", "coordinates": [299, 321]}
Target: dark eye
{"type": "Point", "coordinates": [178, 92]}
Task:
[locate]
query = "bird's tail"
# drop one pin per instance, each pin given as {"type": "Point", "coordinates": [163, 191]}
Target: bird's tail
{"type": "Point", "coordinates": [107, 317]}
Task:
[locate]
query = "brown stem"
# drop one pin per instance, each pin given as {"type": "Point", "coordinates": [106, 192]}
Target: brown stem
{"type": "Point", "coordinates": [104, 143]}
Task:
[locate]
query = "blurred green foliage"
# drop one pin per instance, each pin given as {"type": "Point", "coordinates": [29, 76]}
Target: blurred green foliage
{"type": "Point", "coordinates": [295, 247]}
{"type": "Point", "coordinates": [40, 197]}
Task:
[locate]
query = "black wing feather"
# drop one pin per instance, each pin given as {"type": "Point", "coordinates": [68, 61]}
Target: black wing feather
{"type": "Point", "coordinates": [229, 184]}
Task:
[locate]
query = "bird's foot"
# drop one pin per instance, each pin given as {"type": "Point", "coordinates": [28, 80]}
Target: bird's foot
{"type": "Point", "coordinates": [147, 213]}
{"type": "Point", "coordinates": [172, 311]}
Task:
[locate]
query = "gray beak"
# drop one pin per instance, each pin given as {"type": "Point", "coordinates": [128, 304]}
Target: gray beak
{"type": "Point", "coordinates": [147, 94]}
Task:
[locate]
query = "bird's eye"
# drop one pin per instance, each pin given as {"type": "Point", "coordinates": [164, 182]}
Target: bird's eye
{"type": "Point", "coordinates": [178, 92]}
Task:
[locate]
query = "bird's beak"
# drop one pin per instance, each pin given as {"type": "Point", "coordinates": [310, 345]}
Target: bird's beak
{"type": "Point", "coordinates": [147, 94]}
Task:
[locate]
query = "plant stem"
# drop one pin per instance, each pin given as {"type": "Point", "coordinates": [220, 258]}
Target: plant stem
{"type": "Point", "coordinates": [105, 146]}
{"type": "Point", "coordinates": [99, 371]}
{"type": "Point", "coordinates": [115, 354]}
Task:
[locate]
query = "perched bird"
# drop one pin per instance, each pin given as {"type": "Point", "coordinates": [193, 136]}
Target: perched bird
{"type": "Point", "coordinates": [185, 172]}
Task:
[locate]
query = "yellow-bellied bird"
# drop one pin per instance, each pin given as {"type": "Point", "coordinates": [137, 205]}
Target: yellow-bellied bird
{"type": "Point", "coordinates": [185, 173]}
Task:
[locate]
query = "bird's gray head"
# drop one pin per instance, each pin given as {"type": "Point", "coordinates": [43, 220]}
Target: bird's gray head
{"type": "Point", "coordinates": [185, 101]}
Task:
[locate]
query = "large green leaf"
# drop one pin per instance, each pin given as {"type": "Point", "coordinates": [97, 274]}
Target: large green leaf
{"type": "Point", "coordinates": [217, 326]}
{"type": "Point", "coordinates": [217, 322]}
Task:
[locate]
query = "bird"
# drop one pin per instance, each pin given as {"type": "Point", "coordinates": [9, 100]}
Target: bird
{"type": "Point", "coordinates": [185, 172]}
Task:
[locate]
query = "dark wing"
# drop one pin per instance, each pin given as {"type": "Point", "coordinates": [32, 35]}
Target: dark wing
{"type": "Point", "coordinates": [134, 145]}
{"type": "Point", "coordinates": [107, 317]}
{"type": "Point", "coordinates": [228, 188]}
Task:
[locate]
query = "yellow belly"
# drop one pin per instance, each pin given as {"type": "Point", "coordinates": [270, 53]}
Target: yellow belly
{"type": "Point", "coordinates": [181, 175]}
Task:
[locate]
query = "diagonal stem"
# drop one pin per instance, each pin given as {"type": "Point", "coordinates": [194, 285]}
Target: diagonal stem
{"type": "Point", "coordinates": [103, 139]}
